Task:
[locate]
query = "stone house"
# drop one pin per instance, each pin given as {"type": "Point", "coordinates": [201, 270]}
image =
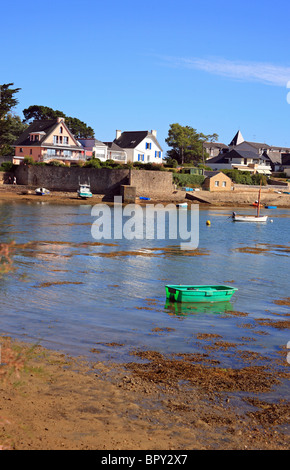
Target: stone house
{"type": "Point", "coordinates": [216, 181]}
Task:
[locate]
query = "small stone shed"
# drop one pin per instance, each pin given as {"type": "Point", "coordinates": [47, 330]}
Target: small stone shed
{"type": "Point", "coordinates": [216, 181]}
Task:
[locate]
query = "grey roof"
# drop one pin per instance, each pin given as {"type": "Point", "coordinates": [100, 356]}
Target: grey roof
{"type": "Point", "coordinates": [220, 158]}
{"type": "Point", "coordinates": [113, 146]}
{"type": "Point", "coordinates": [36, 127]}
{"type": "Point", "coordinates": [210, 174]}
{"type": "Point", "coordinates": [215, 144]}
{"type": "Point", "coordinates": [258, 145]}
{"type": "Point", "coordinates": [225, 157]}
{"type": "Point", "coordinates": [245, 154]}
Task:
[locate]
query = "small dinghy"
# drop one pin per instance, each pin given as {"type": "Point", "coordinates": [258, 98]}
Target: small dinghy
{"type": "Point", "coordinates": [199, 293]}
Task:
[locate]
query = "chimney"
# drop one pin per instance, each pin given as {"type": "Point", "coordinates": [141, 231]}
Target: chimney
{"type": "Point", "coordinates": [153, 132]}
{"type": "Point", "coordinates": [118, 134]}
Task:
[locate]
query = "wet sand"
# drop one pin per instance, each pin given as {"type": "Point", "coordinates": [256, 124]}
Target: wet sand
{"type": "Point", "coordinates": [219, 199]}
{"type": "Point", "coordinates": [50, 401]}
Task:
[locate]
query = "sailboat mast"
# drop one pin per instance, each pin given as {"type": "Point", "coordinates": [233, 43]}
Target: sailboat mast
{"type": "Point", "coordinates": [259, 199]}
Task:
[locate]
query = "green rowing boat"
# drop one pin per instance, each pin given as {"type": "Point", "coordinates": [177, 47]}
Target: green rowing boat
{"type": "Point", "coordinates": [199, 293]}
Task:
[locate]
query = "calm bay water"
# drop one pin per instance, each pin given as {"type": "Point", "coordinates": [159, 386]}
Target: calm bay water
{"type": "Point", "coordinates": [71, 293]}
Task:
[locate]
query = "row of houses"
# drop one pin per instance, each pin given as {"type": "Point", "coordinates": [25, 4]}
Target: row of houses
{"type": "Point", "coordinates": [48, 140]}
{"type": "Point", "coordinates": [247, 156]}
{"type": "Point", "coordinates": [52, 140]}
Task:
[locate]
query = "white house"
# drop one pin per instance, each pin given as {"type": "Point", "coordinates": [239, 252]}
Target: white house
{"type": "Point", "coordinates": [94, 147]}
{"type": "Point", "coordinates": [140, 146]}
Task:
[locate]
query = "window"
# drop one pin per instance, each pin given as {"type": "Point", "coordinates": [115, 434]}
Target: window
{"type": "Point", "coordinates": [224, 183]}
{"type": "Point", "coordinates": [216, 183]}
{"type": "Point", "coordinates": [157, 154]}
{"type": "Point", "coordinates": [148, 145]}
{"type": "Point", "coordinates": [60, 130]}
{"type": "Point", "coordinates": [21, 150]}
{"type": "Point", "coordinates": [140, 157]}
{"type": "Point", "coordinates": [60, 139]}
{"type": "Point", "coordinates": [30, 151]}
{"type": "Point", "coordinates": [55, 139]}
{"type": "Point", "coordinates": [65, 140]}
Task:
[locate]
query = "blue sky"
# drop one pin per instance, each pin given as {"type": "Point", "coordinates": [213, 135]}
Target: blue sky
{"type": "Point", "coordinates": [217, 66]}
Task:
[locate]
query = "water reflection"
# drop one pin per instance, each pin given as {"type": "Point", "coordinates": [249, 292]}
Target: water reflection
{"type": "Point", "coordinates": [194, 308]}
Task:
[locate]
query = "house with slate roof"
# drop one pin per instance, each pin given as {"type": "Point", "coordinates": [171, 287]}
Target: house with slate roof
{"type": "Point", "coordinates": [265, 155]}
{"type": "Point", "coordinates": [239, 159]}
{"type": "Point", "coordinates": [48, 140]}
{"type": "Point", "coordinates": [140, 146]}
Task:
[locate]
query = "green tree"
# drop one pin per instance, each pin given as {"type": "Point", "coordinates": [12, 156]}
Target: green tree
{"type": "Point", "coordinates": [78, 128]}
{"type": "Point", "coordinates": [186, 143]}
{"type": "Point", "coordinates": [11, 126]}
{"type": "Point", "coordinates": [7, 99]}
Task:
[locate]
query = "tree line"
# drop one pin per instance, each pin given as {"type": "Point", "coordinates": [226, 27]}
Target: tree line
{"type": "Point", "coordinates": [186, 144]}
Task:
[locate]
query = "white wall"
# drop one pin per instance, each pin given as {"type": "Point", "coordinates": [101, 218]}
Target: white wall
{"type": "Point", "coordinates": [149, 154]}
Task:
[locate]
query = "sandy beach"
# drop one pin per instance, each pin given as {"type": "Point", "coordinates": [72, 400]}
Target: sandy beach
{"type": "Point", "coordinates": [50, 401]}
{"type": "Point", "coordinates": [235, 198]}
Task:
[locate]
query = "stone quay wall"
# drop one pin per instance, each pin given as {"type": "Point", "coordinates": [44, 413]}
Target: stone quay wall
{"type": "Point", "coordinates": [102, 180]}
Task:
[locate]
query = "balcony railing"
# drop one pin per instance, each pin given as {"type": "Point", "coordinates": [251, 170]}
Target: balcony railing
{"type": "Point", "coordinates": [46, 157]}
{"type": "Point", "coordinates": [120, 157]}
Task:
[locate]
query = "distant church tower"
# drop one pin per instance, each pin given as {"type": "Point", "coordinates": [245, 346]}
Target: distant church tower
{"type": "Point", "coordinates": [238, 139]}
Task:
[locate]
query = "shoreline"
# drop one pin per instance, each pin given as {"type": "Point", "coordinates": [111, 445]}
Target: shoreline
{"type": "Point", "coordinates": [59, 402]}
{"type": "Point", "coordinates": [203, 198]}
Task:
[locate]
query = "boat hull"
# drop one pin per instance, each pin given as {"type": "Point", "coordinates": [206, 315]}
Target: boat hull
{"type": "Point", "coordinates": [199, 293]}
{"type": "Point", "coordinates": [42, 191]}
{"type": "Point", "coordinates": [250, 218]}
{"type": "Point", "coordinates": [84, 195]}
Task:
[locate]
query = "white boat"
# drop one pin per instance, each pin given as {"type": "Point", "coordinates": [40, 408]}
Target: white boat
{"type": "Point", "coordinates": [42, 191]}
{"type": "Point", "coordinates": [182, 204]}
{"type": "Point", "coordinates": [251, 218]}
{"type": "Point", "coordinates": [84, 190]}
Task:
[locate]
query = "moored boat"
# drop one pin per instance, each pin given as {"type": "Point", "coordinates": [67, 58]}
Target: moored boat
{"type": "Point", "coordinates": [199, 293]}
{"type": "Point", "coordinates": [42, 191]}
{"type": "Point", "coordinates": [251, 218]}
{"type": "Point", "coordinates": [182, 205]}
{"type": "Point", "coordinates": [84, 190]}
